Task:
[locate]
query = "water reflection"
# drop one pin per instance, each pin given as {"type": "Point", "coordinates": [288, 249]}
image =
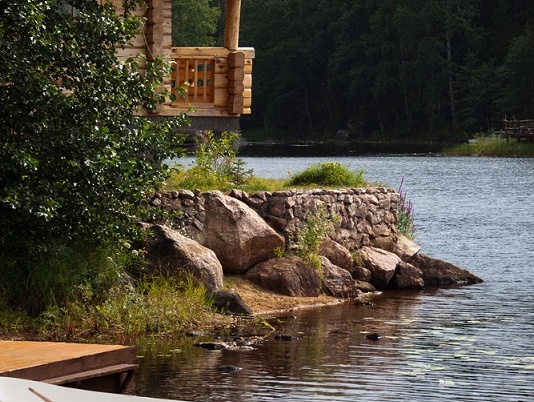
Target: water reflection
{"type": "Point", "coordinates": [335, 149]}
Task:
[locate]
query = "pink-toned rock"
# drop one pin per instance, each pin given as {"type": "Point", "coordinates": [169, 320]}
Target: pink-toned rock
{"type": "Point", "coordinates": [405, 248]}
{"type": "Point", "coordinates": [237, 234]}
{"type": "Point", "coordinates": [381, 263]}
{"type": "Point", "coordinates": [172, 254]}
{"type": "Point", "coordinates": [336, 253]}
{"type": "Point", "coordinates": [288, 276]}
{"type": "Point", "coordinates": [337, 281]}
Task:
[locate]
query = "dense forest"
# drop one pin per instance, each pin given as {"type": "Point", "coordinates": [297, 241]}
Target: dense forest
{"type": "Point", "coordinates": [431, 69]}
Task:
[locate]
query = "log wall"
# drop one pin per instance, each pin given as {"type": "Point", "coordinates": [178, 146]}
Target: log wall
{"type": "Point", "coordinates": [223, 89]}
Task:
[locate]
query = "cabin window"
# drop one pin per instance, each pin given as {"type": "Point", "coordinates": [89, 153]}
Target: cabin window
{"type": "Point", "coordinates": [196, 76]}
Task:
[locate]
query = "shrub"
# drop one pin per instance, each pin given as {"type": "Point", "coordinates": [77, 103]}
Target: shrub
{"type": "Point", "coordinates": [75, 162]}
{"type": "Point", "coordinates": [55, 273]}
{"type": "Point", "coordinates": [328, 174]}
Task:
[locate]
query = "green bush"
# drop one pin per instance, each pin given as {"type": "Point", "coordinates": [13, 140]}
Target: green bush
{"type": "Point", "coordinates": [54, 273]}
{"type": "Point", "coordinates": [328, 174]}
{"type": "Point", "coordinates": [75, 162]}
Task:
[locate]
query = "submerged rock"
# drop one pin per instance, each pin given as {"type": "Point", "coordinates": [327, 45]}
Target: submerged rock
{"type": "Point", "coordinates": [228, 368]}
{"type": "Point", "coordinates": [373, 336]}
{"type": "Point", "coordinates": [285, 338]}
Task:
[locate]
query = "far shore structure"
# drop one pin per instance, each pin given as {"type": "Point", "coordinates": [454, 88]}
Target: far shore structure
{"type": "Point", "coordinates": [217, 80]}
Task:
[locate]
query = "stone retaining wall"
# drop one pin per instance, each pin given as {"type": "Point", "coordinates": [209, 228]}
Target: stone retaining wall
{"type": "Point", "coordinates": [363, 214]}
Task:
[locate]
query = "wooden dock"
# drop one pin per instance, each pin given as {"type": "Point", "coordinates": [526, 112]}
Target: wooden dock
{"type": "Point", "coordinates": [519, 129]}
{"type": "Point", "coordinates": [107, 368]}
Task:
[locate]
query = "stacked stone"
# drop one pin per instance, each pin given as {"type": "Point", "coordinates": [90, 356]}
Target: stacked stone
{"type": "Point", "coordinates": [363, 214]}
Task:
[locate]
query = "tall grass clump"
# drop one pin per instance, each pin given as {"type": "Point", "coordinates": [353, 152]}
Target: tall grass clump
{"type": "Point", "coordinates": [308, 239]}
{"type": "Point", "coordinates": [156, 306]}
{"type": "Point", "coordinates": [405, 219]}
{"type": "Point", "coordinates": [35, 277]}
{"type": "Point", "coordinates": [216, 165]}
{"type": "Point", "coordinates": [329, 174]}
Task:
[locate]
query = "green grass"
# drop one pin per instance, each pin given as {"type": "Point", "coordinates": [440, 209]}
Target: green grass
{"type": "Point", "coordinates": [329, 174]}
{"type": "Point", "coordinates": [493, 147]}
{"type": "Point", "coordinates": [326, 174]}
{"type": "Point", "coordinates": [152, 307]}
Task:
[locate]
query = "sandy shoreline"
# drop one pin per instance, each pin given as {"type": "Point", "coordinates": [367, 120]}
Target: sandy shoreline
{"type": "Point", "coordinates": [264, 302]}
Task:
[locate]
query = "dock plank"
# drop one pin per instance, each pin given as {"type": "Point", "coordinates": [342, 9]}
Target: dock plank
{"type": "Point", "coordinates": [56, 361]}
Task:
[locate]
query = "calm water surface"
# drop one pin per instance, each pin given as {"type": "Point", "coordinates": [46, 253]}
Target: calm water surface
{"type": "Point", "coordinates": [471, 343]}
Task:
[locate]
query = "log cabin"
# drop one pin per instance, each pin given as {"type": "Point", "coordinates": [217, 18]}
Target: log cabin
{"type": "Point", "coordinates": [217, 80]}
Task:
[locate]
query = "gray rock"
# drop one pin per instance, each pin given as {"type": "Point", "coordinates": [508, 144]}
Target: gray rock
{"type": "Point", "coordinates": [288, 276]}
{"type": "Point", "coordinates": [365, 287]}
{"type": "Point", "coordinates": [336, 253]}
{"type": "Point", "coordinates": [172, 254]}
{"type": "Point", "coordinates": [361, 274]}
{"type": "Point", "coordinates": [237, 234]}
{"type": "Point", "coordinates": [438, 273]}
{"type": "Point", "coordinates": [230, 302]}
{"type": "Point", "coordinates": [399, 245]}
{"type": "Point", "coordinates": [407, 277]}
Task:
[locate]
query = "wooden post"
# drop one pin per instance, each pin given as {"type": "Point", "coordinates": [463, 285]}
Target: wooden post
{"type": "Point", "coordinates": [236, 85]}
{"type": "Point", "coordinates": [231, 30]}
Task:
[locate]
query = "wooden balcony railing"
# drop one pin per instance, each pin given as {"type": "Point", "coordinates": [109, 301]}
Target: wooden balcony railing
{"type": "Point", "coordinates": [196, 78]}
{"type": "Point", "coordinates": [213, 81]}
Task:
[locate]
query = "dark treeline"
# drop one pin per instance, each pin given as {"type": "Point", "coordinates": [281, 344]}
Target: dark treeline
{"type": "Point", "coordinates": [433, 69]}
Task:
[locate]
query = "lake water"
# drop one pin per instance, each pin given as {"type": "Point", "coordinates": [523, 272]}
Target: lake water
{"type": "Point", "coordinates": [470, 343]}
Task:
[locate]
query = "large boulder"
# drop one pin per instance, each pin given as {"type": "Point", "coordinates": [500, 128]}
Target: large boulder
{"type": "Point", "coordinates": [237, 234]}
{"type": "Point", "coordinates": [336, 253]}
{"type": "Point", "coordinates": [172, 254]}
{"type": "Point", "coordinates": [381, 263]}
{"type": "Point", "coordinates": [407, 277]}
{"type": "Point", "coordinates": [438, 273]}
{"type": "Point", "coordinates": [288, 276]}
{"type": "Point", "coordinates": [337, 281]}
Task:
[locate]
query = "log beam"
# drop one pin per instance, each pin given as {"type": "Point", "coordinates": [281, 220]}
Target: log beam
{"type": "Point", "coordinates": [231, 31]}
